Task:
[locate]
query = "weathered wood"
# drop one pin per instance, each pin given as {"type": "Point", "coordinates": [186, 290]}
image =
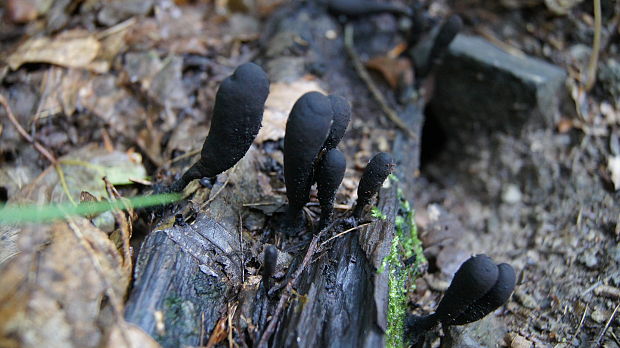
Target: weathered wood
{"type": "Point", "coordinates": [187, 276]}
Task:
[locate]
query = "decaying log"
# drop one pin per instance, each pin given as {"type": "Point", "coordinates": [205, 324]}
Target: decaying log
{"type": "Point", "coordinates": [188, 276]}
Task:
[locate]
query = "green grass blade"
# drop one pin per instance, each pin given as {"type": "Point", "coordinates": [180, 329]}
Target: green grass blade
{"type": "Point", "coordinates": [20, 214]}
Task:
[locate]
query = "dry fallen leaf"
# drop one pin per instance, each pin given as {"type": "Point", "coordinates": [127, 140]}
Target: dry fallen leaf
{"type": "Point", "coordinates": [130, 336]}
{"type": "Point", "coordinates": [67, 50]}
{"type": "Point", "coordinates": [63, 289]}
{"type": "Point", "coordinates": [282, 97]}
{"type": "Point", "coordinates": [393, 69]}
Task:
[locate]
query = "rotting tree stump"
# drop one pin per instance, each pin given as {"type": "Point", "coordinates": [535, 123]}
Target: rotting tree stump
{"type": "Point", "coordinates": [189, 276]}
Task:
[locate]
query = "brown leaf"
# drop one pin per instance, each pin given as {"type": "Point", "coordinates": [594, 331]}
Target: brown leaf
{"type": "Point", "coordinates": [115, 105]}
{"type": "Point", "coordinates": [67, 50]}
{"type": "Point", "coordinates": [282, 96]}
{"type": "Point", "coordinates": [393, 70]}
{"type": "Point", "coordinates": [63, 288]}
{"type": "Point", "coordinates": [21, 11]}
{"type": "Point", "coordinates": [130, 336]}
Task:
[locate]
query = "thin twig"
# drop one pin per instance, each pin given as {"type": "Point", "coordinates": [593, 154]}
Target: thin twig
{"type": "Point", "coordinates": [241, 247]}
{"type": "Point", "coordinates": [374, 90]}
{"type": "Point", "coordinates": [37, 146]}
{"type": "Point", "coordinates": [221, 188]}
{"type": "Point", "coordinates": [290, 285]}
{"type": "Point", "coordinates": [583, 317]}
{"type": "Point", "coordinates": [611, 318]}
{"type": "Point", "coordinates": [185, 155]}
{"type": "Point", "coordinates": [344, 232]}
{"type": "Point", "coordinates": [63, 182]}
{"type": "Point", "coordinates": [596, 46]}
{"type": "Point", "coordinates": [202, 328]}
{"type": "Point", "coordinates": [42, 150]}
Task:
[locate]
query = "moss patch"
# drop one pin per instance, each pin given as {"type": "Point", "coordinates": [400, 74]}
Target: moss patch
{"type": "Point", "coordinates": [404, 263]}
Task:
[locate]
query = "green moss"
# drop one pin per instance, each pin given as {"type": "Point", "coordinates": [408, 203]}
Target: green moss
{"type": "Point", "coordinates": [406, 246]}
{"type": "Point", "coordinates": [377, 214]}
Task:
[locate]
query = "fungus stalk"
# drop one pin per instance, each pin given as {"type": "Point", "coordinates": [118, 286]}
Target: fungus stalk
{"type": "Point", "coordinates": [329, 176]}
{"type": "Point", "coordinates": [377, 170]}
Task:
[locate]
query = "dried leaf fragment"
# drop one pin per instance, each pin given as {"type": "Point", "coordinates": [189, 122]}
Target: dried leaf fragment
{"type": "Point", "coordinates": [282, 96]}
{"type": "Point", "coordinates": [72, 52]}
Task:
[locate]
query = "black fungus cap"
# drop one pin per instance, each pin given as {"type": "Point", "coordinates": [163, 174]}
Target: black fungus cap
{"type": "Point", "coordinates": [237, 118]}
{"type": "Point", "coordinates": [270, 260]}
{"type": "Point", "coordinates": [478, 288]}
{"type": "Point", "coordinates": [377, 170]}
{"type": "Point", "coordinates": [328, 178]}
{"type": "Point", "coordinates": [307, 128]}
{"type": "Point", "coordinates": [342, 116]}
{"type": "Point", "coordinates": [495, 297]}
{"type": "Point", "coordinates": [472, 281]}
{"type": "Point", "coordinates": [447, 32]}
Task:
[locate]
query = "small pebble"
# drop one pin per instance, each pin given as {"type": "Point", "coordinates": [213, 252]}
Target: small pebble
{"type": "Point", "coordinates": [517, 341]}
{"type": "Point", "coordinates": [598, 316]}
{"type": "Point", "coordinates": [527, 301]}
{"type": "Point", "coordinates": [511, 194]}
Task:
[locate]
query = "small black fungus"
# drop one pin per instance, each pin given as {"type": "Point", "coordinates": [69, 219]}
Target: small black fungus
{"type": "Point", "coordinates": [342, 116]}
{"type": "Point", "coordinates": [419, 24]}
{"type": "Point", "coordinates": [377, 170]}
{"type": "Point", "coordinates": [307, 128]}
{"type": "Point", "coordinates": [328, 178]}
{"type": "Point", "coordinates": [493, 299]}
{"type": "Point", "coordinates": [447, 32]}
{"type": "Point", "coordinates": [356, 8]}
{"type": "Point", "coordinates": [237, 117]}
{"type": "Point", "coordinates": [478, 288]}
{"type": "Point", "coordinates": [4, 194]}
{"type": "Point", "coordinates": [472, 281]}
{"type": "Point", "coordinates": [270, 259]}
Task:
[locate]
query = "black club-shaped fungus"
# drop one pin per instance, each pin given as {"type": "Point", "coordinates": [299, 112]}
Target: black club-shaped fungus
{"type": "Point", "coordinates": [493, 299]}
{"type": "Point", "coordinates": [478, 288]}
{"type": "Point", "coordinates": [328, 178]}
{"type": "Point", "coordinates": [237, 117]}
{"type": "Point", "coordinates": [472, 281]}
{"type": "Point", "coordinates": [447, 32]}
{"type": "Point", "coordinates": [270, 259]}
{"type": "Point", "coordinates": [307, 128]}
{"type": "Point", "coordinates": [377, 170]}
{"type": "Point", "coordinates": [342, 116]}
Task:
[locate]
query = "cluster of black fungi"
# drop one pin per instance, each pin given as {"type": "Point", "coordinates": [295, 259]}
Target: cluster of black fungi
{"type": "Point", "coordinates": [315, 126]}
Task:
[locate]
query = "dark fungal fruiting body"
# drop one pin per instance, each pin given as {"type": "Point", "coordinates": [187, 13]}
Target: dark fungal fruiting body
{"type": "Point", "coordinates": [237, 117]}
{"type": "Point", "coordinates": [328, 178]}
{"type": "Point", "coordinates": [478, 288]}
{"type": "Point", "coordinates": [357, 8]}
{"type": "Point", "coordinates": [377, 170]}
{"type": "Point", "coordinates": [493, 299]}
{"type": "Point", "coordinates": [447, 32]}
{"type": "Point", "coordinates": [307, 129]}
{"type": "Point", "coordinates": [472, 281]}
{"type": "Point", "coordinates": [270, 259]}
{"type": "Point", "coordinates": [342, 115]}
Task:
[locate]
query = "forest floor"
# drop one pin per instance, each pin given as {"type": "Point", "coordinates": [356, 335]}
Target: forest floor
{"type": "Point", "coordinates": [127, 85]}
